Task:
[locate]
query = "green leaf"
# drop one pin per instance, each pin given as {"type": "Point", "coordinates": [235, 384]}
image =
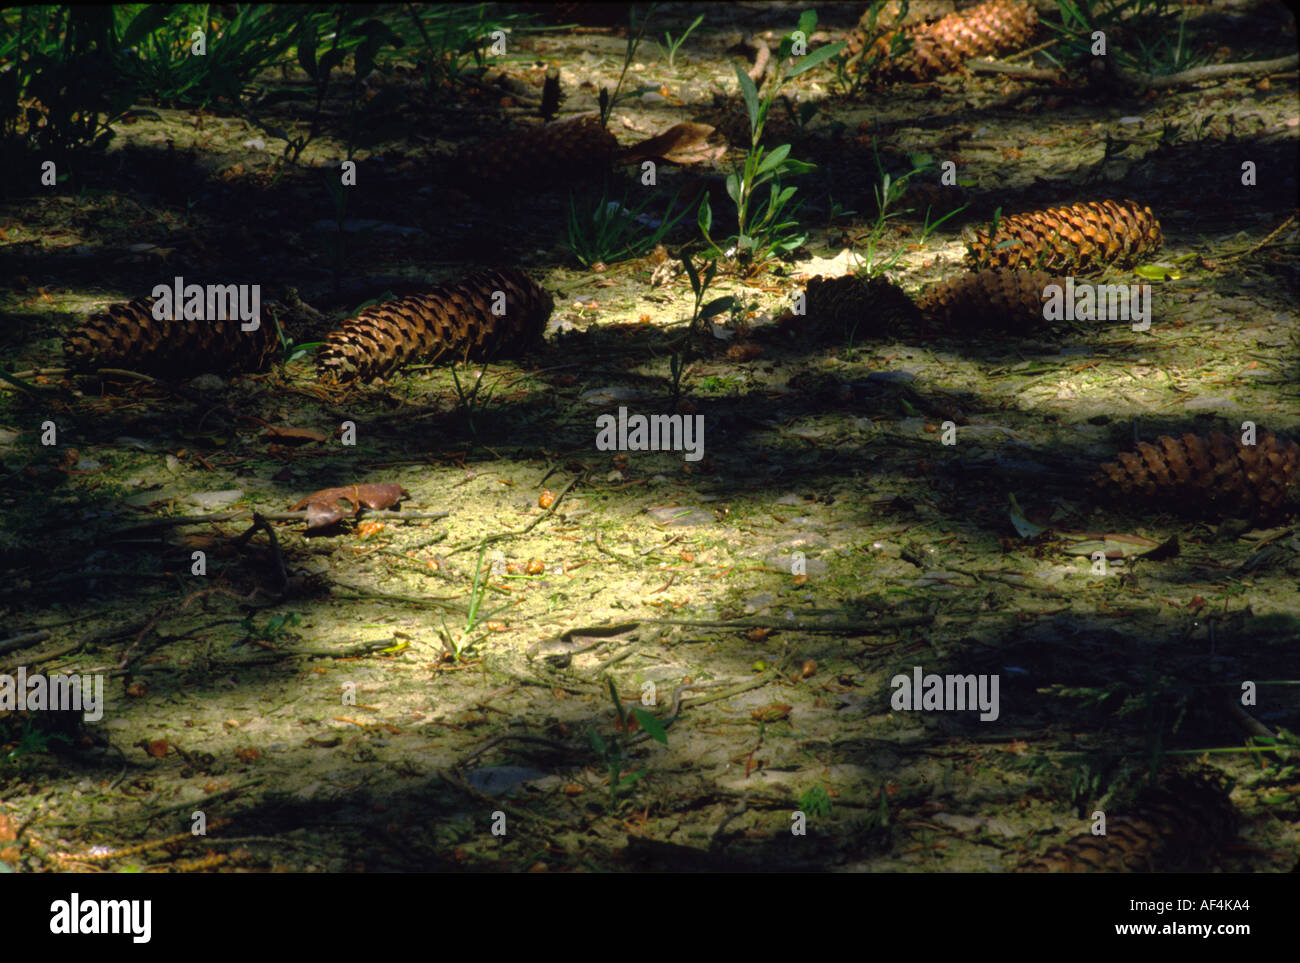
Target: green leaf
{"type": "Point", "coordinates": [733, 187]}
{"type": "Point", "coordinates": [773, 159]}
{"type": "Point", "coordinates": [597, 743]}
{"type": "Point", "coordinates": [691, 272]}
{"type": "Point", "coordinates": [816, 57]}
{"type": "Point", "coordinates": [794, 167]}
{"type": "Point", "coordinates": [716, 307]}
{"type": "Point", "coordinates": [1023, 526]}
{"type": "Point", "coordinates": [751, 97]}
{"type": "Point", "coordinates": [146, 22]}
{"type": "Point", "coordinates": [307, 47]}
{"type": "Point", "coordinates": [651, 724]}
{"type": "Point", "coordinates": [329, 60]}
{"type": "Point", "coordinates": [363, 62]}
{"type": "Point", "coordinates": [704, 217]}
{"type": "Point", "coordinates": [807, 22]}
{"type": "Point", "coordinates": [1157, 273]}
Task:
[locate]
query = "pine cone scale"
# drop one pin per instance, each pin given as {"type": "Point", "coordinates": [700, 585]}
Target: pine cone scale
{"type": "Point", "coordinates": [457, 318]}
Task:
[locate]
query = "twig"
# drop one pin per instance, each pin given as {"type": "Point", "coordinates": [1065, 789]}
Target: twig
{"type": "Point", "coordinates": [762, 54]}
{"type": "Point", "coordinates": [1247, 253]}
{"type": "Point", "coordinates": [186, 393]}
{"type": "Point", "coordinates": [259, 521]}
{"type": "Point", "coordinates": [177, 520]}
{"type": "Point", "coordinates": [37, 372]}
{"type": "Point", "coordinates": [163, 612]}
{"type": "Point", "coordinates": [1251, 68]}
{"type": "Point", "coordinates": [20, 385]}
{"type": "Point", "coordinates": [500, 536]}
{"type": "Point", "coordinates": [614, 555]}
{"type": "Point", "coordinates": [1032, 73]}
{"type": "Point", "coordinates": [27, 638]}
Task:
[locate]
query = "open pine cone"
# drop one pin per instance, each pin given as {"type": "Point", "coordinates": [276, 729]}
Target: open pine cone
{"type": "Point", "coordinates": [539, 158]}
{"type": "Point", "coordinates": [850, 307]}
{"type": "Point", "coordinates": [1174, 826]}
{"type": "Point", "coordinates": [455, 319]}
{"type": "Point", "coordinates": [944, 46]}
{"type": "Point", "coordinates": [999, 299]}
{"type": "Point", "coordinates": [1083, 238]}
{"type": "Point", "coordinates": [1214, 473]}
{"type": "Point", "coordinates": [128, 336]}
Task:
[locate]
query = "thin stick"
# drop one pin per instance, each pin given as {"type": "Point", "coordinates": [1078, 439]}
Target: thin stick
{"type": "Point", "coordinates": [1250, 68]}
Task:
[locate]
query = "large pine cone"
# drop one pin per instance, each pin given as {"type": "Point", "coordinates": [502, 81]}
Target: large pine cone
{"type": "Point", "coordinates": [944, 46]}
{"type": "Point", "coordinates": [453, 319]}
{"type": "Point", "coordinates": [540, 158]}
{"type": "Point", "coordinates": [998, 299]}
{"type": "Point", "coordinates": [1083, 238]}
{"type": "Point", "coordinates": [850, 307]}
{"type": "Point", "coordinates": [128, 336]}
{"type": "Point", "coordinates": [1175, 826]}
{"type": "Point", "coordinates": [1216, 473]}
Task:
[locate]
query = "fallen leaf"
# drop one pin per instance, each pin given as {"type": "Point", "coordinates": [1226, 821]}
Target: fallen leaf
{"type": "Point", "coordinates": [294, 436]}
{"type": "Point", "coordinates": [684, 143]}
{"type": "Point", "coordinates": [771, 713]}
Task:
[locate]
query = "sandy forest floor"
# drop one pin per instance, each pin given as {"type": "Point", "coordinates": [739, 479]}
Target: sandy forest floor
{"type": "Point", "coordinates": [325, 729]}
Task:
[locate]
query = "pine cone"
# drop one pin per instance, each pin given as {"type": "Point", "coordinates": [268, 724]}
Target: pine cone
{"type": "Point", "coordinates": [1082, 238]}
{"type": "Point", "coordinates": [128, 336]}
{"type": "Point", "coordinates": [1175, 826]}
{"type": "Point", "coordinates": [851, 307]}
{"type": "Point", "coordinates": [454, 318]}
{"type": "Point", "coordinates": [1216, 473]}
{"type": "Point", "coordinates": [540, 158]}
{"type": "Point", "coordinates": [944, 46]}
{"type": "Point", "coordinates": [998, 299]}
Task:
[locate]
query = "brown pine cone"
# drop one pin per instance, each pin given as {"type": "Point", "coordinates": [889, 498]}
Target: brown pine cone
{"type": "Point", "coordinates": [455, 319]}
{"type": "Point", "coordinates": [847, 308]}
{"type": "Point", "coordinates": [1083, 238]}
{"type": "Point", "coordinates": [944, 46]}
{"type": "Point", "coordinates": [998, 299]}
{"type": "Point", "coordinates": [1174, 826]}
{"type": "Point", "coordinates": [540, 158]}
{"type": "Point", "coordinates": [128, 336]}
{"type": "Point", "coordinates": [1214, 473]}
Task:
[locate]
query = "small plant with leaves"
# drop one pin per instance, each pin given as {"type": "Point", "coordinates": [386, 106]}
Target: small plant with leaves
{"type": "Point", "coordinates": [604, 230]}
{"type": "Point", "coordinates": [34, 741]}
{"type": "Point", "coordinates": [700, 313]}
{"type": "Point", "coordinates": [608, 101]}
{"type": "Point", "coordinates": [452, 37]}
{"type": "Point", "coordinates": [272, 629]}
{"type": "Point", "coordinates": [614, 751]}
{"type": "Point", "coordinates": [878, 42]}
{"type": "Point", "coordinates": [815, 802]}
{"type": "Point", "coordinates": [1142, 34]}
{"type": "Point", "coordinates": [767, 226]}
{"type": "Point", "coordinates": [459, 645]}
{"type": "Point", "coordinates": [675, 45]}
{"type": "Point", "coordinates": [888, 193]}
{"type": "Point", "coordinates": [469, 400]}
